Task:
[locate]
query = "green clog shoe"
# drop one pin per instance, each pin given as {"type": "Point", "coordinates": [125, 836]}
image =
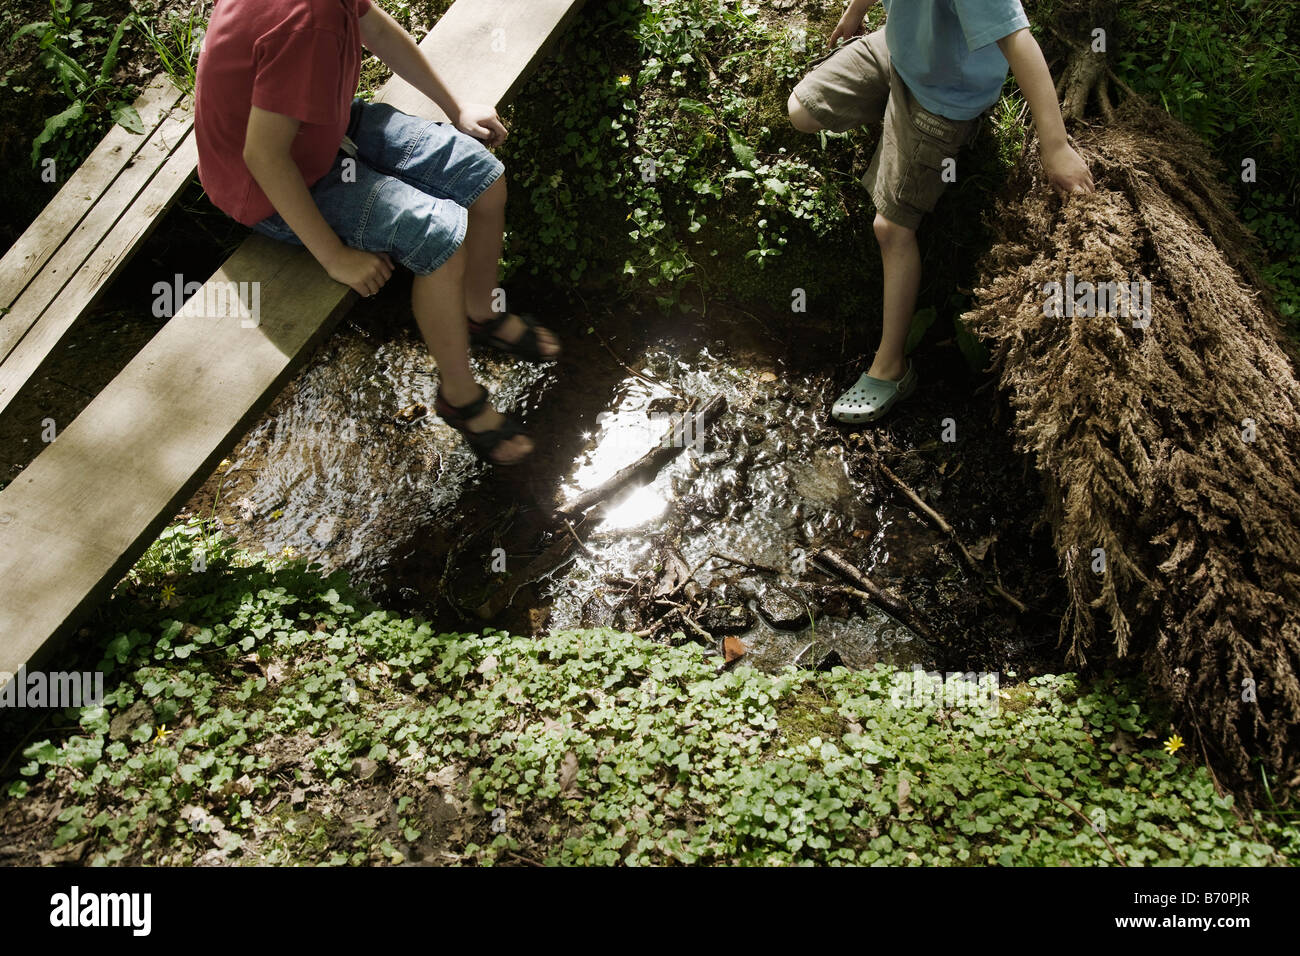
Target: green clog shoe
{"type": "Point", "coordinates": [871, 398]}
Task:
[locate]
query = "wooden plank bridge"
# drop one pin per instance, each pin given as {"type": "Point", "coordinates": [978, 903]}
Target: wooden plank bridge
{"type": "Point", "coordinates": [78, 517]}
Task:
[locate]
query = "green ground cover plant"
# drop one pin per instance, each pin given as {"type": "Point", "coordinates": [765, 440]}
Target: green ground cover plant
{"type": "Point", "coordinates": [578, 747]}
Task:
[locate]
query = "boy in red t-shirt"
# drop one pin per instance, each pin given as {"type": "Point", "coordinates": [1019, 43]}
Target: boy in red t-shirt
{"type": "Point", "coordinates": [285, 148]}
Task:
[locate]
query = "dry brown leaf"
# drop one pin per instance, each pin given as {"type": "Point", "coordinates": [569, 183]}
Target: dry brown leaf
{"type": "Point", "coordinates": [568, 772]}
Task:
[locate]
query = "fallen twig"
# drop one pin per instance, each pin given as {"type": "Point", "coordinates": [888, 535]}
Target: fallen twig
{"type": "Point", "coordinates": [947, 529]}
{"type": "Point", "coordinates": [654, 625]}
{"type": "Point", "coordinates": [576, 540]}
{"type": "Point", "coordinates": [744, 564]}
{"type": "Point", "coordinates": [630, 370]}
{"type": "Point", "coordinates": [525, 859]}
{"type": "Point", "coordinates": [666, 449]}
{"type": "Point", "coordinates": [1075, 810]}
{"type": "Point", "coordinates": [690, 622]}
{"type": "Point", "coordinates": [894, 605]}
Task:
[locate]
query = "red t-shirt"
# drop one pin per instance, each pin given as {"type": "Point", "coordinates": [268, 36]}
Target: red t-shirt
{"type": "Point", "coordinates": [301, 58]}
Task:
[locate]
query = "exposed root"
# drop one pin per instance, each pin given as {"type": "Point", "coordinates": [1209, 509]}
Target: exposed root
{"type": "Point", "coordinates": [1168, 448]}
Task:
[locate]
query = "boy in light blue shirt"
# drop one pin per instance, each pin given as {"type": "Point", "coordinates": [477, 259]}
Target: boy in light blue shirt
{"type": "Point", "coordinates": [928, 75]}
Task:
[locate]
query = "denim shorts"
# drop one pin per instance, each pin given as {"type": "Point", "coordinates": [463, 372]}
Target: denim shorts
{"type": "Point", "coordinates": [406, 190]}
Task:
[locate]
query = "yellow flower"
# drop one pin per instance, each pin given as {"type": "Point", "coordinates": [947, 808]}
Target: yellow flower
{"type": "Point", "coordinates": [163, 732]}
{"type": "Point", "coordinates": [288, 552]}
{"type": "Point", "coordinates": [168, 592]}
{"type": "Point", "coordinates": [624, 80]}
{"type": "Point", "coordinates": [1173, 745]}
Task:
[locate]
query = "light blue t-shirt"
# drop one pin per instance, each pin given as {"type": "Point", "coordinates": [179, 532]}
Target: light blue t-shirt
{"type": "Point", "coordinates": [946, 51]}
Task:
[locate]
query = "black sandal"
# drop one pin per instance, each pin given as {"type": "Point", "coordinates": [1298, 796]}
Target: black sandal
{"type": "Point", "coordinates": [526, 346]}
{"type": "Point", "coordinates": [485, 442]}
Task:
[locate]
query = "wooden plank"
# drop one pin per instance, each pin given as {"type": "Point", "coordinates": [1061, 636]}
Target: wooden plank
{"type": "Point", "coordinates": [94, 257]}
{"type": "Point", "coordinates": [45, 235]}
{"type": "Point", "coordinates": [125, 465]}
{"type": "Point", "coordinates": [79, 516]}
{"type": "Point", "coordinates": [94, 252]}
{"type": "Point", "coordinates": [485, 50]}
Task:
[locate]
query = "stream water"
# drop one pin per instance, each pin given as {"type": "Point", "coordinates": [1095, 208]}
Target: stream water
{"type": "Point", "coordinates": [351, 468]}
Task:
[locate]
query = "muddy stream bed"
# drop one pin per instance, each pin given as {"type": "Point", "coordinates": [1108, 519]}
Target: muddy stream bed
{"type": "Point", "coordinates": [349, 467]}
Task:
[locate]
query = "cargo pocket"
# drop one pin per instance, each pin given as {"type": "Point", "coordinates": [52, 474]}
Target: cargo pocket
{"type": "Point", "coordinates": [922, 181]}
{"type": "Point", "coordinates": [937, 139]}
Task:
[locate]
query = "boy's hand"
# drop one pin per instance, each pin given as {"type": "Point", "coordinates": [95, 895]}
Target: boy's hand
{"type": "Point", "coordinates": [1066, 170]}
{"type": "Point", "coordinates": [364, 271]}
{"type": "Point", "coordinates": [481, 122]}
{"type": "Point", "coordinates": [850, 25]}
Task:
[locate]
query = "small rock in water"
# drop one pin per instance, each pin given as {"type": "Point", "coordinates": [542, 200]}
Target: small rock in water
{"type": "Point", "coordinates": [727, 619]}
{"type": "Point", "coordinates": [596, 613]}
{"type": "Point", "coordinates": [831, 660]}
{"type": "Point", "coordinates": [783, 610]}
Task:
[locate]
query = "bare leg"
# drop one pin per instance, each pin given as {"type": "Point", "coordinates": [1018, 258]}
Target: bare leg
{"type": "Point", "coordinates": [483, 241]}
{"type": "Point", "coordinates": [901, 258]}
{"type": "Point", "coordinates": [437, 299]}
{"type": "Point", "coordinates": [800, 118]}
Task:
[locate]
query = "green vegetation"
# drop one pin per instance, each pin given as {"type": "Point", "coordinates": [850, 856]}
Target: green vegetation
{"type": "Point", "coordinates": [741, 206]}
{"type": "Point", "coordinates": [654, 156]}
{"type": "Point", "coordinates": [1227, 69]}
{"type": "Point", "coordinates": [69, 44]}
{"type": "Point", "coordinates": [578, 747]}
{"type": "Point", "coordinates": [176, 43]}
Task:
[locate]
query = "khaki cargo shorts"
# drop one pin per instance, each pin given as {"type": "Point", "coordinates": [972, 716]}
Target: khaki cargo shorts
{"type": "Point", "coordinates": [857, 85]}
